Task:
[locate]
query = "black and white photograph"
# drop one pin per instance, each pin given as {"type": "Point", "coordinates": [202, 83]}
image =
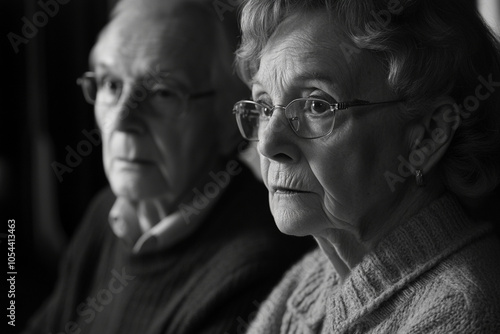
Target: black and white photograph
{"type": "Point", "coordinates": [250, 166]}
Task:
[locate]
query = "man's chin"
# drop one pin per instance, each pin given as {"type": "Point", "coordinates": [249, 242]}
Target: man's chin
{"type": "Point", "coordinates": [136, 181]}
{"type": "Point", "coordinates": [136, 189]}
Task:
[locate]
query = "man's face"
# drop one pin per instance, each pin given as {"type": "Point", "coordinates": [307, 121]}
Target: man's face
{"type": "Point", "coordinates": [155, 142]}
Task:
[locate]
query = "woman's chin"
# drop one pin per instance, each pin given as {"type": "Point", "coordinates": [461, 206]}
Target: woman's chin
{"type": "Point", "coordinates": [297, 215]}
{"type": "Point", "coordinates": [298, 222]}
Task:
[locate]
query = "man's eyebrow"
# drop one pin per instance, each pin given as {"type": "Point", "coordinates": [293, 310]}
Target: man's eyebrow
{"type": "Point", "coordinates": [100, 66]}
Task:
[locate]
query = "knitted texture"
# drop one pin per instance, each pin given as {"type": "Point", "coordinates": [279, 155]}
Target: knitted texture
{"type": "Point", "coordinates": [209, 283]}
{"type": "Point", "coordinates": [437, 273]}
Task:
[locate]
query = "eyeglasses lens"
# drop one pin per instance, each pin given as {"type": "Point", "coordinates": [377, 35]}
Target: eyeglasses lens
{"type": "Point", "coordinates": [248, 118]}
{"type": "Point", "coordinates": [309, 118]}
{"type": "Point", "coordinates": [89, 87]}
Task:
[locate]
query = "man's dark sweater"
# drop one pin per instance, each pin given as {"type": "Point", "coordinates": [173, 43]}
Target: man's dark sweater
{"type": "Point", "coordinates": [211, 282]}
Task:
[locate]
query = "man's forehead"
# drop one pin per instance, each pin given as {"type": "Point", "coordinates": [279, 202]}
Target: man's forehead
{"type": "Point", "coordinates": [153, 38]}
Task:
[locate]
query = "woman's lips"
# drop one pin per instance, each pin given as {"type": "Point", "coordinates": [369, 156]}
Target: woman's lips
{"type": "Point", "coordinates": [288, 191]}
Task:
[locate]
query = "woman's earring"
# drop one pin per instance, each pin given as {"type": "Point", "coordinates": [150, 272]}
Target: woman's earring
{"type": "Point", "coordinates": [419, 177]}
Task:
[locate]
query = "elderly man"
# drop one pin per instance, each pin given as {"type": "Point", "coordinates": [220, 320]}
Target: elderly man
{"type": "Point", "coordinates": [183, 242]}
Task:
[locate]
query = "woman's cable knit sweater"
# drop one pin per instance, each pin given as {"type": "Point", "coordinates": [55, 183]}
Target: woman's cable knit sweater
{"type": "Point", "coordinates": [437, 273]}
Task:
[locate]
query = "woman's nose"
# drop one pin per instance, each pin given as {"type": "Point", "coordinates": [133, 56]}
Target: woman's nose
{"type": "Point", "coordinates": [277, 141]}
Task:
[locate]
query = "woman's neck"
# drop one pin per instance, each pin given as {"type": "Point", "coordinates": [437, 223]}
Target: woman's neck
{"type": "Point", "coordinates": [346, 249]}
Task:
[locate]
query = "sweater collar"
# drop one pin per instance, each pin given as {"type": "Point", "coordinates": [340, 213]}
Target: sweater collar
{"type": "Point", "coordinates": [406, 253]}
{"type": "Point", "coordinates": [131, 222]}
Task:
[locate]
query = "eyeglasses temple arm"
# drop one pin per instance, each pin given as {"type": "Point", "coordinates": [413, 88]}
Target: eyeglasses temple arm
{"type": "Point", "coordinates": [345, 105]}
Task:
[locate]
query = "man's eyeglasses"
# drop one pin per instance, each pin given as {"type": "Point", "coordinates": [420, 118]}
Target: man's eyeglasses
{"type": "Point", "coordinates": [309, 118]}
{"type": "Point", "coordinates": [108, 92]}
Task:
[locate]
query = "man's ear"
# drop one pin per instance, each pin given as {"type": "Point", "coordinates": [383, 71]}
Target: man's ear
{"type": "Point", "coordinates": [432, 134]}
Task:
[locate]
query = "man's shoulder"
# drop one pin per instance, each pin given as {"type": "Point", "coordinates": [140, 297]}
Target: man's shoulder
{"type": "Point", "coordinates": [99, 206]}
{"type": "Point", "coordinates": [95, 220]}
{"type": "Point", "coordinates": [101, 203]}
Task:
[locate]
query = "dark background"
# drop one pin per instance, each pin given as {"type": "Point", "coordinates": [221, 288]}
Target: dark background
{"type": "Point", "coordinates": [43, 112]}
{"type": "Point", "coordinates": [43, 115]}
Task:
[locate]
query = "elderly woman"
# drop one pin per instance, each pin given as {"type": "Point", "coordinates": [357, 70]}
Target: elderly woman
{"type": "Point", "coordinates": [378, 127]}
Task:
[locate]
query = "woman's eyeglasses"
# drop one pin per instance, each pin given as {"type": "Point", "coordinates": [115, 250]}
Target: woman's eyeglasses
{"type": "Point", "coordinates": [308, 117]}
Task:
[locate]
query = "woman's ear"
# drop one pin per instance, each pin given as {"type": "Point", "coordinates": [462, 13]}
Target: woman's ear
{"type": "Point", "coordinates": [432, 134]}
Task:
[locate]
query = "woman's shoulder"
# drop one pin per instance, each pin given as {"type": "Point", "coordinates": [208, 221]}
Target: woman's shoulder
{"type": "Point", "coordinates": [301, 288]}
{"type": "Point", "coordinates": [475, 270]}
{"type": "Point", "coordinates": [463, 290]}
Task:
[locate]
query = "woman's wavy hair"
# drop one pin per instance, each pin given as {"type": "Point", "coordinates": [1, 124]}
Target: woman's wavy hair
{"type": "Point", "coordinates": [430, 48]}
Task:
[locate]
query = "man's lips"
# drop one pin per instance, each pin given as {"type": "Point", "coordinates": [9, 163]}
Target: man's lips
{"type": "Point", "coordinates": [136, 161]}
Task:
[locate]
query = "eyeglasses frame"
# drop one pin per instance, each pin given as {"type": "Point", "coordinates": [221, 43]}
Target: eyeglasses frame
{"type": "Point", "coordinates": [91, 75]}
{"type": "Point", "coordinates": [334, 107]}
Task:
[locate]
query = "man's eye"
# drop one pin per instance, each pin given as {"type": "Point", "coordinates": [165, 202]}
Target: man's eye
{"type": "Point", "coordinates": [110, 85]}
{"type": "Point", "coordinates": [164, 93]}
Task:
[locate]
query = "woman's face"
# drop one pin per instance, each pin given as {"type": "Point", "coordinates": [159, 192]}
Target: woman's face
{"type": "Point", "coordinates": [336, 181]}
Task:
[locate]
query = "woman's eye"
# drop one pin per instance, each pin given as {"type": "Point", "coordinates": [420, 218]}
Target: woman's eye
{"type": "Point", "coordinates": [316, 107]}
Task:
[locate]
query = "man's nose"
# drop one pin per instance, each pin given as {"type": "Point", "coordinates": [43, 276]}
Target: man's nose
{"type": "Point", "coordinates": [127, 115]}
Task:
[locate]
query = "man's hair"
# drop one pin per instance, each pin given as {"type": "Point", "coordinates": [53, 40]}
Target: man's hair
{"type": "Point", "coordinates": [430, 49]}
{"type": "Point", "coordinates": [228, 27]}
